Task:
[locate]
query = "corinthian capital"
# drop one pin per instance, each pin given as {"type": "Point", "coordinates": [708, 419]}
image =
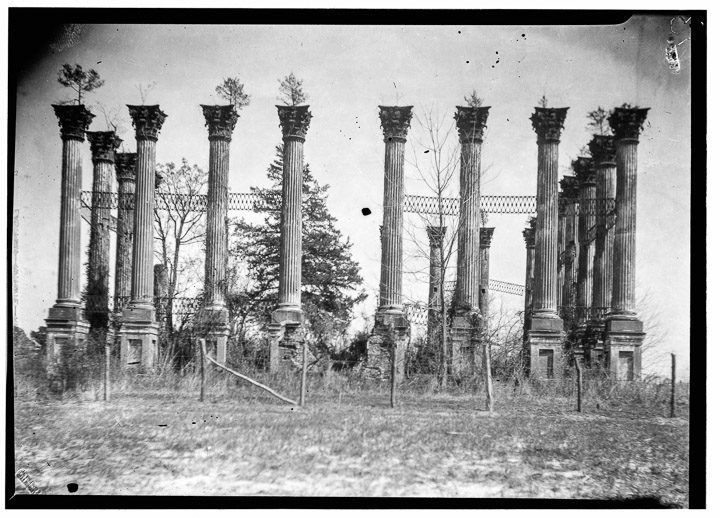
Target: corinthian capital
{"type": "Point", "coordinates": [103, 145]}
{"type": "Point", "coordinates": [529, 234]}
{"type": "Point", "coordinates": [602, 149]}
{"type": "Point", "coordinates": [584, 170]}
{"type": "Point", "coordinates": [548, 123]}
{"type": "Point", "coordinates": [220, 120]}
{"type": "Point", "coordinates": [73, 119]}
{"type": "Point", "coordinates": [471, 122]}
{"type": "Point", "coordinates": [294, 121]}
{"type": "Point", "coordinates": [627, 123]}
{"type": "Point", "coordinates": [148, 121]}
{"type": "Point", "coordinates": [395, 122]}
{"type": "Point", "coordinates": [486, 234]}
{"type": "Point", "coordinates": [125, 166]}
{"type": "Point", "coordinates": [570, 187]}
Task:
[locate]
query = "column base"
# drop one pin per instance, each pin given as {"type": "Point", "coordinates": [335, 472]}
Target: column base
{"type": "Point", "coordinates": [545, 338]}
{"type": "Point", "coordinates": [391, 328]}
{"type": "Point", "coordinates": [464, 346]}
{"type": "Point", "coordinates": [65, 327]}
{"type": "Point", "coordinates": [138, 339]}
{"type": "Point", "coordinates": [623, 348]}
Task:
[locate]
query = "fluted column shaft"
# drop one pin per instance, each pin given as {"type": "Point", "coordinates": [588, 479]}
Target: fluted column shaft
{"type": "Point", "coordinates": [529, 235]}
{"type": "Point", "coordinates": [102, 145]}
{"type": "Point", "coordinates": [586, 222]}
{"type": "Point", "coordinates": [623, 293]}
{"type": "Point", "coordinates": [435, 294]}
{"type": "Point", "coordinates": [73, 121]}
{"type": "Point", "coordinates": [468, 255]}
{"type": "Point", "coordinates": [125, 170]}
{"type": "Point", "coordinates": [602, 149]}
{"type": "Point", "coordinates": [291, 224]}
{"type": "Point", "coordinates": [216, 239]}
{"type": "Point", "coordinates": [392, 237]}
{"type": "Point", "coordinates": [545, 292]}
{"type": "Point", "coordinates": [485, 238]}
{"type": "Point", "coordinates": [142, 277]}
{"type": "Point", "coordinates": [70, 248]}
{"type": "Point", "coordinates": [562, 216]}
{"type": "Point", "coordinates": [603, 263]}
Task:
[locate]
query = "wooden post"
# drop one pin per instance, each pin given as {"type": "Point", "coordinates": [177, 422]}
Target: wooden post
{"type": "Point", "coordinates": [393, 364]}
{"type": "Point", "coordinates": [202, 369]}
{"type": "Point", "coordinates": [488, 377]}
{"type": "Point", "coordinates": [672, 385]}
{"type": "Point", "coordinates": [303, 379]}
{"type": "Point", "coordinates": [578, 371]}
{"type": "Point", "coordinates": [106, 392]}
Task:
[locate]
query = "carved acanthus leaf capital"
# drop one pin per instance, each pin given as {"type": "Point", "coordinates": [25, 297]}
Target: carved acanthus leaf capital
{"type": "Point", "coordinates": [570, 187]}
{"type": "Point", "coordinates": [627, 123]}
{"type": "Point", "coordinates": [125, 166]}
{"type": "Point", "coordinates": [602, 149]}
{"type": "Point", "coordinates": [220, 120]}
{"type": "Point", "coordinates": [548, 123]}
{"type": "Point", "coordinates": [159, 179]}
{"type": "Point", "coordinates": [471, 122]}
{"type": "Point", "coordinates": [486, 235]}
{"type": "Point", "coordinates": [584, 170]}
{"type": "Point", "coordinates": [436, 236]}
{"type": "Point", "coordinates": [103, 145]}
{"type": "Point", "coordinates": [529, 233]}
{"type": "Point", "coordinates": [294, 121]}
{"type": "Point", "coordinates": [73, 119]}
{"type": "Point", "coordinates": [147, 120]}
{"type": "Point", "coordinates": [395, 122]}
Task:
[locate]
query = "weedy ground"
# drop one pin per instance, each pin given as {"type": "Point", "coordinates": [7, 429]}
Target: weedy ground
{"type": "Point", "coordinates": [154, 437]}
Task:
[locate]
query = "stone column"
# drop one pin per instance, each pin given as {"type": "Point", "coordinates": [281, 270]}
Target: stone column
{"type": "Point", "coordinates": [623, 330]}
{"type": "Point", "coordinates": [529, 235]}
{"type": "Point", "coordinates": [287, 319]}
{"type": "Point", "coordinates": [65, 322]}
{"type": "Point", "coordinates": [391, 325]}
{"type": "Point", "coordinates": [436, 236]}
{"type": "Point", "coordinates": [102, 146]}
{"type": "Point", "coordinates": [139, 328]}
{"type": "Point", "coordinates": [545, 336]}
{"type": "Point", "coordinates": [125, 171]}
{"type": "Point", "coordinates": [486, 234]}
{"type": "Point", "coordinates": [214, 318]}
{"type": "Point", "coordinates": [602, 149]}
{"type": "Point", "coordinates": [570, 187]}
{"type": "Point", "coordinates": [471, 123]}
{"type": "Point", "coordinates": [562, 218]}
{"type": "Point", "coordinates": [585, 173]}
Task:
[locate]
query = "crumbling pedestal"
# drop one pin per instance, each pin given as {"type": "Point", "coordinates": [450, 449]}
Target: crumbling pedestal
{"type": "Point", "coordinates": [391, 330]}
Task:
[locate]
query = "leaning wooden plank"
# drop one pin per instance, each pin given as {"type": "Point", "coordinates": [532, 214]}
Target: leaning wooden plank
{"type": "Point", "coordinates": [249, 380]}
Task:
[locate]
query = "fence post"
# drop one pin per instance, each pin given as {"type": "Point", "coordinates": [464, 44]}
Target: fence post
{"type": "Point", "coordinates": [303, 379]}
{"type": "Point", "coordinates": [672, 384]}
{"type": "Point", "coordinates": [202, 369]}
{"type": "Point", "coordinates": [106, 392]}
{"type": "Point", "coordinates": [488, 377]}
{"type": "Point", "coordinates": [578, 371]}
{"type": "Point", "coordinates": [393, 363]}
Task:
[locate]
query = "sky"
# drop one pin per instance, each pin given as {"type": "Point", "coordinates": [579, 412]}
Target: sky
{"type": "Point", "coordinates": [348, 71]}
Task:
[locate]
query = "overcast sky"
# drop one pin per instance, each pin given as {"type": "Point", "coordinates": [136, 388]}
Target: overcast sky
{"type": "Point", "coordinates": [348, 71]}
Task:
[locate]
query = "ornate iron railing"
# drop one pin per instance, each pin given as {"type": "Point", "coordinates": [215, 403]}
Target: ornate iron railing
{"type": "Point", "coordinates": [241, 201]}
{"type": "Point", "coordinates": [495, 285]}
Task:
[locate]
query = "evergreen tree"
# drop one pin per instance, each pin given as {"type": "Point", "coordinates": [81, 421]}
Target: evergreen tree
{"type": "Point", "coordinates": [330, 277]}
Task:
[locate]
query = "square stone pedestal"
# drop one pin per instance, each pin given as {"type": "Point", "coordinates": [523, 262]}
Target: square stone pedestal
{"type": "Point", "coordinates": [544, 347]}
{"type": "Point", "coordinates": [595, 346]}
{"type": "Point", "coordinates": [623, 346]}
{"type": "Point", "coordinates": [391, 329]}
{"type": "Point", "coordinates": [285, 339]}
{"type": "Point", "coordinates": [463, 346]}
{"type": "Point", "coordinates": [138, 339]}
{"type": "Point", "coordinates": [65, 328]}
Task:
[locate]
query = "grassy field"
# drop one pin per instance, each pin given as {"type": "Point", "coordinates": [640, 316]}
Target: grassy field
{"type": "Point", "coordinates": [152, 440]}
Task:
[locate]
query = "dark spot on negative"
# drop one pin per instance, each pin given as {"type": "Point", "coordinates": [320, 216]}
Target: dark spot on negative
{"type": "Point", "coordinates": [72, 487]}
{"type": "Point", "coordinates": [426, 151]}
{"type": "Point", "coordinates": [365, 211]}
